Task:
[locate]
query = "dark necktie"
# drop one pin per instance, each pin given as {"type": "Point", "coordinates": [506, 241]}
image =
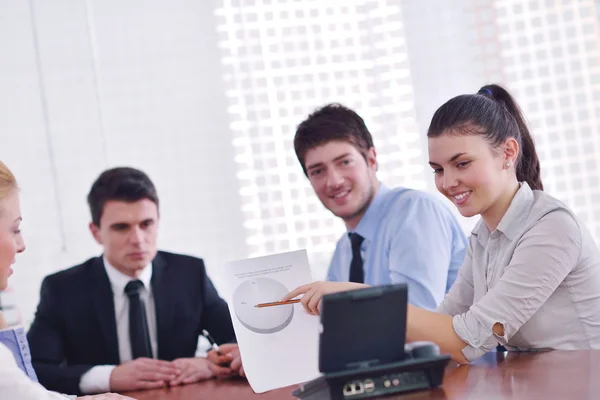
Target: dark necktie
{"type": "Point", "coordinates": [356, 265]}
{"type": "Point", "coordinates": [138, 322]}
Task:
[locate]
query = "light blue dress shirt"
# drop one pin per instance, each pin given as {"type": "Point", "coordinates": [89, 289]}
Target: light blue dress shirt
{"type": "Point", "coordinates": [410, 237]}
{"type": "Point", "coordinates": [16, 341]}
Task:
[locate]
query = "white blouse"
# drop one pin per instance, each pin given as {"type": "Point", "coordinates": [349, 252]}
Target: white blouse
{"type": "Point", "coordinates": [14, 384]}
{"type": "Point", "coordinates": [538, 274]}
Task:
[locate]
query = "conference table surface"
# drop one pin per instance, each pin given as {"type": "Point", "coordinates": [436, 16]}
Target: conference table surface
{"type": "Point", "coordinates": [543, 375]}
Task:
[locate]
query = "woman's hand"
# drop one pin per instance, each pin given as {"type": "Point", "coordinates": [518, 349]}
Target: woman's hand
{"type": "Point", "coordinates": [3, 324]}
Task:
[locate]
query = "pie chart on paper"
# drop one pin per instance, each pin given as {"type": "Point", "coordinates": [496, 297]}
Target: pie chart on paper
{"type": "Point", "coordinates": [266, 319]}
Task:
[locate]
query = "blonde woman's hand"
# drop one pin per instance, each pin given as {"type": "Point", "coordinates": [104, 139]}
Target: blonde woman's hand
{"type": "Point", "coordinates": [3, 323]}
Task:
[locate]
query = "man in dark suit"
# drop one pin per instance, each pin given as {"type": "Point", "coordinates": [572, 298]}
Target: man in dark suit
{"type": "Point", "coordinates": [129, 319]}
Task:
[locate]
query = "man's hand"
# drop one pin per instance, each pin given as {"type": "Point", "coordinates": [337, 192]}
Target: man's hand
{"type": "Point", "coordinates": [143, 373]}
{"type": "Point", "coordinates": [192, 370]}
{"type": "Point", "coordinates": [228, 363]}
{"type": "Point", "coordinates": [236, 362]}
{"type": "Point", "coordinates": [106, 396]}
{"type": "Point", "coordinates": [314, 292]}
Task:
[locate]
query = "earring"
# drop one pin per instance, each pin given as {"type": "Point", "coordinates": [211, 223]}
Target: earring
{"type": "Point", "coordinates": [507, 164]}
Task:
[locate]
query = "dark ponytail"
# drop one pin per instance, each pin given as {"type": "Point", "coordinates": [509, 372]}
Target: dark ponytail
{"type": "Point", "coordinates": [494, 114]}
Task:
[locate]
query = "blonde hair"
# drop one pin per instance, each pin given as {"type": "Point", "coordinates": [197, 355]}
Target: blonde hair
{"type": "Point", "coordinates": [8, 182]}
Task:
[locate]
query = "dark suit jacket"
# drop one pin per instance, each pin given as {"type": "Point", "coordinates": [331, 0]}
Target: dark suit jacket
{"type": "Point", "coordinates": [75, 326]}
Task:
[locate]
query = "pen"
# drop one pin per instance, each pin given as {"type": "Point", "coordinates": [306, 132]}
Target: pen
{"type": "Point", "coordinates": [212, 342]}
{"type": "Point", "coordinates": [278, 303]}
{"type": "Point", "coordinates": [214, 346]}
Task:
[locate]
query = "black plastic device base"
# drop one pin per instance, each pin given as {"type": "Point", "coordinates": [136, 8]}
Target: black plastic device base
{"type": "Point", "coordinates": [366, 383]}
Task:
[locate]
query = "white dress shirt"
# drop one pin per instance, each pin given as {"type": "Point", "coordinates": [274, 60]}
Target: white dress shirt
{"type": "Point", "coordinates": [14, 384]}
{"type": "Point", "coordinates": [537, 273]}
{"type": "Point", "coordinates": [97, 379]}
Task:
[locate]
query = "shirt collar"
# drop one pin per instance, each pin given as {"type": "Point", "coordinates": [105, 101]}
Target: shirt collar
{"type": "Point", "coordinates": [119, 280]}
{"type": "Point", "coordinates": [512, 221]}
{"type": "Point", "coordinates": [513, 218]}
{"type": "Point", "coordinates": [369, 222]}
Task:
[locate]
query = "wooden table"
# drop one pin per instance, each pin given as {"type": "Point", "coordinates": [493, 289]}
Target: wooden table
{"type": "Point", "coordinates": [548, 375]}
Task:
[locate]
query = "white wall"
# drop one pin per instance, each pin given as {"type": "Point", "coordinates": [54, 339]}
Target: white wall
{"type": "Point", "coordinates": [87, 85]}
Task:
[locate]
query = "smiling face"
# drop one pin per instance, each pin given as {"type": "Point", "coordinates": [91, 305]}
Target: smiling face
{"type": "Point", "coordinates": [11, 240]}
{"type": "Point", "coordinates": [343, 179]}
{"type": "Point", "coordinates": [473, 175]}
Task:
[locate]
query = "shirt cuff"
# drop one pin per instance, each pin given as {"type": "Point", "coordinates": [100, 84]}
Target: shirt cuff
{"type": "Point", "coordinates": [479, 340]}
{"type": "Point", "coordinates": [63, 396]}
{"type": "Point", "coordinates": [96, 380]}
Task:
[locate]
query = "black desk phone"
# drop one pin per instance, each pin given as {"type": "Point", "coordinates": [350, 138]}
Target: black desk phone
{"type": "Point", "coordinates": [362, 350]}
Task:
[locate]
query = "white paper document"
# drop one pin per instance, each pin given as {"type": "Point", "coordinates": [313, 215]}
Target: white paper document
{"type": "Point", "coordinates": [279, 344]}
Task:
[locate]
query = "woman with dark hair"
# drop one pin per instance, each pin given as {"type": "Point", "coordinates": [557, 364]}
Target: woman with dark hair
{"type": "Point", "coordinates": [531, 276]}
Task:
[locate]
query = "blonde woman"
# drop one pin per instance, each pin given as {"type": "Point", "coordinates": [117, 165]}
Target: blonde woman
{"type": "Point", "coordinates": [14, 383]}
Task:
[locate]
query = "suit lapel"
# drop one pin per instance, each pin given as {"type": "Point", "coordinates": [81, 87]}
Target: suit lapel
{"type": "Point", "coordinates": [163, 304]}
{"type": "Point", "coordinates": [105, 310]}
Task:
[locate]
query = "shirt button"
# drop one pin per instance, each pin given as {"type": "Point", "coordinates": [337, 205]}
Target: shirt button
{"type": "Point", "coordinates": [476, 342]}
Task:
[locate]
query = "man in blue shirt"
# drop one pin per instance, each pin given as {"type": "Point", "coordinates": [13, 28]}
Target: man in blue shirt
{"type": "Point", "coordinates": [393, 235]}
